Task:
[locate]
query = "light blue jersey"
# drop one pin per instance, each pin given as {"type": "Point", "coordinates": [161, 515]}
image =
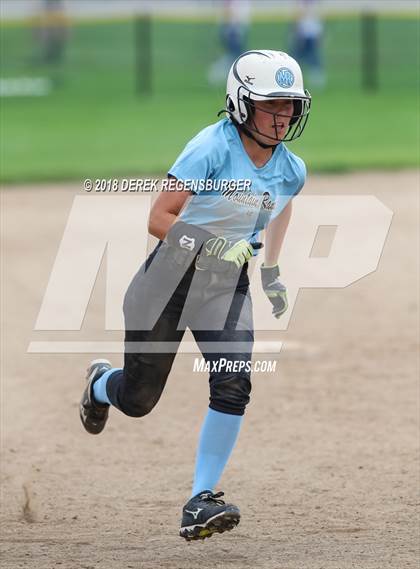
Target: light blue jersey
{"type": "Point", "coordinates": [240, 212]}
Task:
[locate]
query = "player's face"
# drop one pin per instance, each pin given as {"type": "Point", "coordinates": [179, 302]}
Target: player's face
{"type": "Point", "coordinates": [274, 125]}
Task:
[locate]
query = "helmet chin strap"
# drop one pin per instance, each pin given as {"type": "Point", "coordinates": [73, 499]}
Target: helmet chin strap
{"type": "Point", "coordinates": [249, 134]}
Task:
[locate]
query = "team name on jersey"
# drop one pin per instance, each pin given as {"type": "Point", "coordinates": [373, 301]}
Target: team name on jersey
{"type": "Point", "coordinates": [250, 199]}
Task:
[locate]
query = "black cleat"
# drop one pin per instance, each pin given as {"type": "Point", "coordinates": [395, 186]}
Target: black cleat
{"type": "Point", "coordinates": [92, 414]}
{"type": "Point", "coordinates": [205, 514]}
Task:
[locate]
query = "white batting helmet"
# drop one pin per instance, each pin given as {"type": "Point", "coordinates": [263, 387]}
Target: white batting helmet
{"type": "Point", "coordinates": [261, 75]}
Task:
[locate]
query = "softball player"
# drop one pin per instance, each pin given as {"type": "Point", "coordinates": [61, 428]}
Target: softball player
{"type": "Point", "coordinates": [197, 275]}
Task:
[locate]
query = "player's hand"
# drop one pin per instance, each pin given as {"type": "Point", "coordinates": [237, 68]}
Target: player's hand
{"type": "Point", "coordinates": [220, 248]}
{"type": "Point", "coordinates": [274, 289]}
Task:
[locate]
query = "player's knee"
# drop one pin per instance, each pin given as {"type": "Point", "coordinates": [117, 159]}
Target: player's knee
{"type": "Point", "coordinates": [138, 406]}
{"type": "Point", "coordinates": [230, 393]}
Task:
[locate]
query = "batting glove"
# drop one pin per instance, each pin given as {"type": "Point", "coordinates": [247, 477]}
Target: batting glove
{"type": "Point", "coordinates": [220, 248]}
{"type": "Point", "coordinates": [274, 289]}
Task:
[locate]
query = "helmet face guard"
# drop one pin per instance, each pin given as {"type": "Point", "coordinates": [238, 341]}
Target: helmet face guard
{"type": "Point", "coordinates": [301, 110]}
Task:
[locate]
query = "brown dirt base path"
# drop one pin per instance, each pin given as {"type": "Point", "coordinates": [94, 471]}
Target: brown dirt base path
{"type": "Point", "coordinates": [325, 471]}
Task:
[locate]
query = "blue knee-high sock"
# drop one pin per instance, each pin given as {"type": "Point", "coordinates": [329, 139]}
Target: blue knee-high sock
{"type": "Point", "coordinates": [217, 439]}
{"type": "Point", "coordinates": [99, 387]}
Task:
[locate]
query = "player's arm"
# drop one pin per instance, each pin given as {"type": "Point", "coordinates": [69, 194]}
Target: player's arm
{"type": "Point", "coordinates": [165, 211]}
{"type": "Point", "coordinates": [270, 273]}
{"type": "Point", "coordinates": [274, 235]}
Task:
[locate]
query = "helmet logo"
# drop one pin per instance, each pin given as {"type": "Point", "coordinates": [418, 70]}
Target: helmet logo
{"type": "Point", "coordinates": [285, 77]}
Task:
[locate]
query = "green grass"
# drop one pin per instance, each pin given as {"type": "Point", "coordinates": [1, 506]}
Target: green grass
{"type": "Point", "coordinates": [94, 125]}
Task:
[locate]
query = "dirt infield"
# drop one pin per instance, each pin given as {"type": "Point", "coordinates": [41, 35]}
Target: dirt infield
{"type": "Point", "coordinates": [325, 471]}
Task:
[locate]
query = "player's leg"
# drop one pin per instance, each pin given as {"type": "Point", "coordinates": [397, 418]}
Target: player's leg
{"type": "Point", "coordinates": [230, 386]}
{"type": "Point", "coordinates": [149, 354]}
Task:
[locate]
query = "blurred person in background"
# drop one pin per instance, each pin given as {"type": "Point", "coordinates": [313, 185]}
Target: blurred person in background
{"type": "Point", "coordinates": [234, 29]}
{"type": "Point", "coordinates": [52, 32]}
{"type": "Point", "coordinates": [307, 37]}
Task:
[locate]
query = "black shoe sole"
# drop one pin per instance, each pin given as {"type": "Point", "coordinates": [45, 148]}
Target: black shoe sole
{"type": "Point", "coordinates": [226, 521]}
{"type": "Point", "coordinates": [95, 428]}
